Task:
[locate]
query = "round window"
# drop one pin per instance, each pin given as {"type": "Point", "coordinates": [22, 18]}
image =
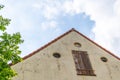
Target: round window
{"type": "Point", "coordinates": [104, 59]}
{"type": "Point", "coordinates": [56, 55]}
{"type": "Point", "coordinates": [77, 44]}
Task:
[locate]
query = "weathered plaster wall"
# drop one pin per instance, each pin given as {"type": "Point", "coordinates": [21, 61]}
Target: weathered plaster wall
{"type": "Point", "coordinates": [43, 66]}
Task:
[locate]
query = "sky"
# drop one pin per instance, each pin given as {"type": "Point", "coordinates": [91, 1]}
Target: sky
{"type": "Point", "coordinates": [40, 21]}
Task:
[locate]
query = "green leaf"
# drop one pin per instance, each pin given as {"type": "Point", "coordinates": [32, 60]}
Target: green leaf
{"type": "Point", "coordinates": [1, 6]}
{"type": "Point", "coordinates": [3, 23]}
{"type": "Point", "coordinates": [9, 50]}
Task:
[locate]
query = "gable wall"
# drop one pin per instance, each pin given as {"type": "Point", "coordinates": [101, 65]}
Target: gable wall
{"type": "Point", "coordinates": [43, 66]}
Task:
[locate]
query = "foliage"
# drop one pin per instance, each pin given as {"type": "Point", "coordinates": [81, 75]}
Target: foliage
{"type": "Point", "coordinates": [9, 49]}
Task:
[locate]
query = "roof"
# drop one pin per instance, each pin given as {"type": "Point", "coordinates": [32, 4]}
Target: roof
{"type": "Point", "coordinates": [31, 54]}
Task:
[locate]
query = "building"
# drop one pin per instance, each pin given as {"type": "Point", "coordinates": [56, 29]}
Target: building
{"type": "Point", "coordinates": [72, 56]}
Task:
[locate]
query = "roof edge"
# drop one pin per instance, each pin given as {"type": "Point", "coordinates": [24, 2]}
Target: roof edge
{"type": "Point", "coordinates": [34, 52]}
{"type": "Point", "coordinates": [66, 34]}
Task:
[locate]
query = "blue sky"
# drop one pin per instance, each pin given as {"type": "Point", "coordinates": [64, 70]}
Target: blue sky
{"type": "Point", "coordinates": [40, 21]}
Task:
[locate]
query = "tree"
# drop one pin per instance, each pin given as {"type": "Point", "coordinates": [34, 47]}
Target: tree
{"type": "Point", "coordinates": [9, 49]}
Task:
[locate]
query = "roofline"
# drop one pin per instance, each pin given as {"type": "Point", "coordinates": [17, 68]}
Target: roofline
{"type": "Point", "coordinates": [64, 35]}
{"type": "Point", "coordinates": [34, 52]}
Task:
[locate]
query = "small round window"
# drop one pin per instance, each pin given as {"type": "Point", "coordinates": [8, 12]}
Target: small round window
{"type": "Point", "coordinates": [104, 59]}
{"type": "Point", "coordinates": [56, 55]}
{"type": "Point", "coordinates": [77, 44]}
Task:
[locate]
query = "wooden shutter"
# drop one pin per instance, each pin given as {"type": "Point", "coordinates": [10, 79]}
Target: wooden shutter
{"type": "Point", "coordinates": [78, 60]}
{"type": "Point", "coordinates": [82, 63]}
{"type": "Point", "coordinates": [85, 60]}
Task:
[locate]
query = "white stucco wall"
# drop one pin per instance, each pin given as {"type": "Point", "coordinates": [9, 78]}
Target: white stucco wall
{"type": "Point", "coordinates": [43, 66]}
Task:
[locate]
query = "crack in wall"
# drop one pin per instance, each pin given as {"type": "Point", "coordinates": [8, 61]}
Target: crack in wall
{"type": "Point", "coordinates": [109, 71]}
{"type": "Point", "coordinates": [58, 64]}
{"type": "Point", "coordinates": [22, 71]}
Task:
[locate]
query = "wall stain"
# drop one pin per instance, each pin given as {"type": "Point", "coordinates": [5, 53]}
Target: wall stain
{"type": "Point", "coordinates": [117, 68]}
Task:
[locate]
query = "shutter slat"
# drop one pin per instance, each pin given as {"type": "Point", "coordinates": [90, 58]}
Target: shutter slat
{"type": "Point", "coordinates": [86, 60]}
{"type": "Point", "coordinates": [75, 56]}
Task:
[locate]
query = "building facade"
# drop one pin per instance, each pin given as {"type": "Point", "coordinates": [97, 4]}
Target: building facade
{"type": "Point", "coordinates": [72, 56]}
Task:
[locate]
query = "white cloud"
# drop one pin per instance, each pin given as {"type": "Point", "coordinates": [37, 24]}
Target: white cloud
{"type": "Point", "coordinates": [73, 7]}
{"type": "Point", "coordinates": [50, 12]}
{"type": "Point", "coordinates": [117, 8]}
{"type": "Point", "coordinates": [106, 14]}
{"type": "Point", "coordinates": [50, 9]}
{"type": "Point", "coordinates": [48, 25]}
{"type": "Point", "coordinates": [20, 21]}
{"type": "Point", "coordinates": [36, 5]}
